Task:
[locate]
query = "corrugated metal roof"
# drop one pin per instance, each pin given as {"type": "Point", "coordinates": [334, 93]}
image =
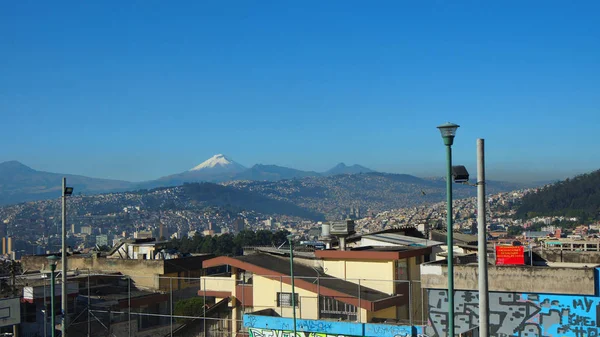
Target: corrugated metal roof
{"type": "Point", "coordinates": [402, 240]}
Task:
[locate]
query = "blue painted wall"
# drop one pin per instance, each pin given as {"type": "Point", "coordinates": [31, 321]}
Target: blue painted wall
{"type": "Point", "coordinates": [266, 326]}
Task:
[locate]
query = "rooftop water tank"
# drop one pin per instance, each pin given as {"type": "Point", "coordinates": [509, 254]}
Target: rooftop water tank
{"type": "Point", "coordinates": [326, 230]}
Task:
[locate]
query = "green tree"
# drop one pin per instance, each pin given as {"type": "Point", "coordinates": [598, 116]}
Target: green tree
{"type": "Point", "coordinates": [225, 245]}
{"type": "Point", "coordinates": [280, 237]}
{"type": "Point", "coordinates": [193, 307]}
{"type": "Point", "coordinates": [515, 230]}
{"type": "Point", "coordinates": [263, 237]}
{"type": "Point", "coordinates": [245, 238]}
{"type": "Point", "coordinates": [209, 245]}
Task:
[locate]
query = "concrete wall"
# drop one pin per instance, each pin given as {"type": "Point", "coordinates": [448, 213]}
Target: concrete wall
{"type": "Point", "coordinates": [265, 297]}
{"type": "Point", "coordinates": [144, 273]}
{"type": "Point", "coordinates": [517, 314]}
{"type": "Point", "coordinates": [555, 280]}
{"type": "Point", "coordinates": [218, 284]}
{"type": "Point", "coordinates": [591, 258]}
{"type": "Point", "coordinates": [384, 313]}
{"type": "Point", "coordinates": [265, 326]}
{"type": "Point", "coordinates": [378, 275]}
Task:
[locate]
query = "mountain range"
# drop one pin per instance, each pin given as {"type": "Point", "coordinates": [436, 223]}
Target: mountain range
{"type": "Point", "coordinates": [267, 189]}
{"type": "Point", "coordinates": [19, 183]}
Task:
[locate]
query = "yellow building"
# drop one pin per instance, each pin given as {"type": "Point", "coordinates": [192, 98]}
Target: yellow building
{"type": "Point", "coordinates": [366, 285]}
{"type": "Point", "coordinates": [392, 270]}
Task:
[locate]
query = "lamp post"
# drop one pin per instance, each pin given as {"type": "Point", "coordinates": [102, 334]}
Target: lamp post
{"type": "Point", "coordinates": [448, 132]}
{"type": "Point", "coordinates": [52, 260]}
{"type": "Point", "coordinates": [66, 191]}
{"type": "Point", "coordinates": [290, 239]}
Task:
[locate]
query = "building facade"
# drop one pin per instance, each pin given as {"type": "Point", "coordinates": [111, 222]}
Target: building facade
{"type": "Point", "coordinates": [523, 300]}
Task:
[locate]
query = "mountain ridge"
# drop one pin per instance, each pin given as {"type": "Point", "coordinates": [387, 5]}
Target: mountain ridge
{"type": "Point", "coordinates": [342, 168]}
{"type": "Point", "coordinates": [573, 197]}
{"type": "Point", "coordinates": [20, 183]}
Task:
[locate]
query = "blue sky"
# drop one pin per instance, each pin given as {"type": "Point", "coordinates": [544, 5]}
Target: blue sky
{"type": "Point", "coordinates": [140, 89]}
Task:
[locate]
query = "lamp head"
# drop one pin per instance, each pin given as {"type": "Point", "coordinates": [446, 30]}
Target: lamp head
{"type": "Point", "coordinates": [52, 259]}
{"type": "Point", "coordinates": [68, 190]}
{"type": "Point", "coordinates": [460, 174]}
{"type": "Point", "coordinates": [448, 131]}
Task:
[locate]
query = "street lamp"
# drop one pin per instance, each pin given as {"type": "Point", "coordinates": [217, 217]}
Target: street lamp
{"type": "Point", "coordinates": [290, 239]}
{"type": "Point", "coordinates": [448, 132]}
{"type": "Point", "coordinates": [52, 261]}
{"type": "Point", "coordinates": [66, 191]}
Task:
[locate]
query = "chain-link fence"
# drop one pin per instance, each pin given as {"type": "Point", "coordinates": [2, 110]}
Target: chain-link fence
{"type": "Point", "coordinates": [113, 304]}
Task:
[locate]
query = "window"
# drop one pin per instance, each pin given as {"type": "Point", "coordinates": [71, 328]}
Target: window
{"type": "Point", "coordinates": [330, 308]}
{"type": "Point", "coordinates": [285, 299]}
{"type": "Point", "coordinates": [401, 270]}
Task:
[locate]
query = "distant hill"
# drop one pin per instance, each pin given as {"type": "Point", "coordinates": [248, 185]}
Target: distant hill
{"type": "Point", "coordinates": [576, 197]}
{"type": "Point", "coordinates": [229, 197]}
{"type": "Point", "coordinates": [334, 195]}
{"type": "Point", "coordinates": [19, 183]}
{"type": "Point", "coordinates": [261, 172]}
{"type": "Point", "coordinates": [342, 168]}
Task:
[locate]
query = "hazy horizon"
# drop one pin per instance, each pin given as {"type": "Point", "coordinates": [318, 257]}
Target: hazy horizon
{"type": "Point", "coordinates": [492, 173]}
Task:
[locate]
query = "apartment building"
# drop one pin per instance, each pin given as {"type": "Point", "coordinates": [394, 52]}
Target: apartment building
{"type": "Point", "coordinates": [364, 284]}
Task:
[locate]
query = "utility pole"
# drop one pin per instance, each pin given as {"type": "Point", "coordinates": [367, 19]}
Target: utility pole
{"type": "Point", "coordinates": [290, 239]}
{"type": "Point", "coordinates": [13, 272]}
{"type": "Point", "coordinates": [482, 243]}
{"type": "Point", "coordinates": [63, 296]}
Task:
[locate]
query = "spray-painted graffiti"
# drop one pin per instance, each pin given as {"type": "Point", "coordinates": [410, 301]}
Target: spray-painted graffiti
{"type": "Point", "coordinates": [253, 332]}
{"type": "Point", "coordinates": [268, 326]}
{"type": "Point", "coordinates": [515, 314]}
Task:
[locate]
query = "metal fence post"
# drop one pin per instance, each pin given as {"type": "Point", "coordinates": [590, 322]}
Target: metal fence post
{"type": "Point", "coordinates": [45, 310]}
{"type": "Point", "coordinates": [129, 303]}
{"type": "Point", "coordinates": [422, 304]}
{"type": "Point", "coordinates": [89, 322]}
{"type": "Point", "coordinates": [279, 299]}
{"type": "Point", "coordinates": [204, 297]}
{"type": "Point", "coordinates": [171, 286]}
{"type": "Point", "coordinates": [359, 306]}
{"type": "Point", "coordinates": [410, 304]}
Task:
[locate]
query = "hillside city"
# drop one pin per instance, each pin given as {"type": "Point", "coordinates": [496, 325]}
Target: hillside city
{"type": "Point", "coordinates": [299, 169]}
{"type": "Point", "coordinates": [104, 220]}
{"type": "Point", "coordinates": [259, 226]}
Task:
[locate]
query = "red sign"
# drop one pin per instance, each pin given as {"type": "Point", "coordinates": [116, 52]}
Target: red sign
{"type": "Point", "coordinates": [510, 255]}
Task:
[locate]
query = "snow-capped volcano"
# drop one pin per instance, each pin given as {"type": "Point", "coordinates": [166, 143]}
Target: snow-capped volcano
{"type": "Point", "coordinates": [219, 162]}
{"type": "Point", "coordinates": [216, 169]}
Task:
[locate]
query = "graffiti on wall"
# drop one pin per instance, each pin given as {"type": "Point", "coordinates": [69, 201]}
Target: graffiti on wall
{"type": "Point", "coordinates": [255, 332]}
{"type": "Point", "coordinates": [267, 326]}
{"type": "Point", "coordinates": [515, 314]}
